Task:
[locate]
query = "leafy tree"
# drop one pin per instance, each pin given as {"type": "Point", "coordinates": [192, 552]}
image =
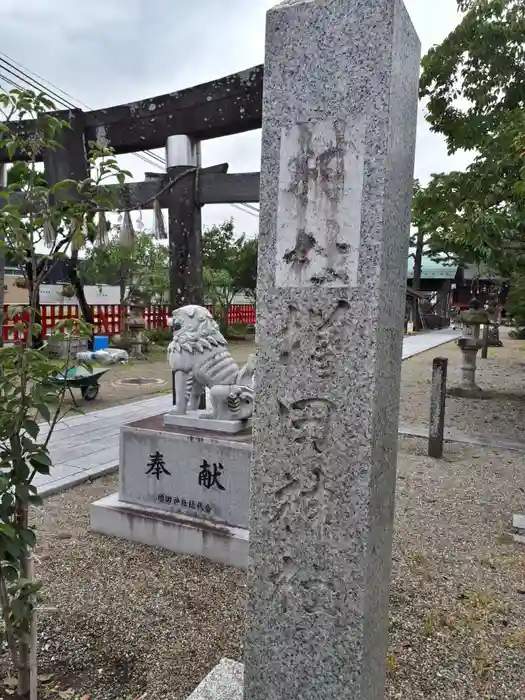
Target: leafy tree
{"type": "Point", "coordinates": [247, 268]}
{"type": "Point", "coordinates": [476, 76]}
{"type": "Point", "coordinates": [31, 213]}
{"type": "Point", "coordinates": [44, 263]}
{"type": "Point", "coordinates": [229, 267]}
{"type": "Point", "coordinates": [420, 242]}
{"type": "Point", "coordinates": [475, 85]}
{"type": "Point", "coordinates": [140, 268]}
{"type": "Point", "coordinates": [219, 290]}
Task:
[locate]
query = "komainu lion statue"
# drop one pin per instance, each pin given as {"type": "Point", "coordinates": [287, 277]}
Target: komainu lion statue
{"type": "Point", "coordinates": [199, 356]}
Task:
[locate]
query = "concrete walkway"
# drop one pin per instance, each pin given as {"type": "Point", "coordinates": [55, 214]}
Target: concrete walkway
{"type": "Point", "coordinates": [83, 447]}
{"type": "Point", "coordinates": [421, 342]}
{"type": "Point", "coordinates": [501, 442]}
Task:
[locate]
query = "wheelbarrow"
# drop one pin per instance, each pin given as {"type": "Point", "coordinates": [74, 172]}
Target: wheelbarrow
{"type": "Point", "coordinates": [80, 378]}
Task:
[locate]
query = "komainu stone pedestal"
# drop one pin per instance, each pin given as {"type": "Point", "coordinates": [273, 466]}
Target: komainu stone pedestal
{"type": "Point", "coordinates": [199, 421]}
{"type": "Point", "coordinates": [181, 489]}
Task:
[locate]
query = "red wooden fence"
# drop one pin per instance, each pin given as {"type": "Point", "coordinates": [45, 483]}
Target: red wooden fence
{"type": "Point", "coordinates": [108, 316]}
{"type": "Point", "coordinates": [241, 313]}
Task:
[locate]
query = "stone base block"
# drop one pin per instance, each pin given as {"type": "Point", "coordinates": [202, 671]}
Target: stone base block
{"type": "Point", "coordinates": [224, 682]}
{"type": "Point", "coordinates": [182, 471]}
{"type": "Point", "coordinates": [174, 532]}
{"type": "Point", "coordinates": [468, 392]}
{"type": "Point", "coordinates": [198, 421]}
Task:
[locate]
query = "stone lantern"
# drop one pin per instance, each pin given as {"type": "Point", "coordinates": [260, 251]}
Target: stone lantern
{"type": "Point", "coordinates": [469, 344]}
{"type": "Point", "coordinates": [136, 323]}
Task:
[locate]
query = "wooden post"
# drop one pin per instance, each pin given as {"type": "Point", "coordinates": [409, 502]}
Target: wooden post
{"type": "Point", "coordinates": [437, 407]}
{"type": "Point", "coordinates": [485, 348]}
{"type": "Point", "coordinates": [70, 162]}
{"type": "Point", "coordinates": [416, 280]}
{"type": "Point", "coordinates": [184, 230]}
{"type": "Point", "coordinates": [184, 223]}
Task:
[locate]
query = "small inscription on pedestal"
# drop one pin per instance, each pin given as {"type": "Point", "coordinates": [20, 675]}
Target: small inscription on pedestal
{"type": "Point", "coordinates": [176, 501]}
{"type": "Point", "coordinates": [319, 209]}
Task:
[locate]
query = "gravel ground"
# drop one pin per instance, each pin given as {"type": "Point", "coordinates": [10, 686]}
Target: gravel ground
{"type": "Point", "coordinates": [127, 622]}
{"type": "Point", "coordinates": [457, 616]}
{"type": "Point", "coordinates": [129, 619]}
{"type": "Point", "coordinates": [502, 375]}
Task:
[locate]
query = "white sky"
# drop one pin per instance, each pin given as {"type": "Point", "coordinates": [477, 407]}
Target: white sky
{"type": "Point", "coordinates": [123, 50]}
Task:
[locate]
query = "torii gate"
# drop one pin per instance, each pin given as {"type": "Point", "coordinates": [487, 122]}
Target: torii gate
{"type": "Point", "coordinates": [178, 121]}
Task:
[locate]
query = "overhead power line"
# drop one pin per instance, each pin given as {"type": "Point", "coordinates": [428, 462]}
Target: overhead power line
{"type": "Point", "coordinates": [246, 210]}
{"type": "Point", "coordinates": [65, 99]}
{"type": "Point", "coordinates": [24, 74]}
{"type": "Point", "coordinates": [250, 206]}
{"type": "Point", "coordinates": [5, 80]}
{"type": "Point", "coordinates": [8, 68]}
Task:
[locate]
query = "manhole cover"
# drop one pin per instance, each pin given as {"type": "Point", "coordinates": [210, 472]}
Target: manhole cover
{"type": "Point", "coordinates": [140, 381]}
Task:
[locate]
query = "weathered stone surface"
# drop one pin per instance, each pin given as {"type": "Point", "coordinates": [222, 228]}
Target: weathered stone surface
{"type": "Point", "coordinates": [340, 107]}
{"type": "Point", "coordinates": [469, 344]}
{"type": "Point", "coordinates": [172, 531]}
{"type": "Point", "coordinates": [438, 396]}
{"type": "Point", "coordinates": [197, 473]}
{"type": "Point", "coordinates": [224, 682]}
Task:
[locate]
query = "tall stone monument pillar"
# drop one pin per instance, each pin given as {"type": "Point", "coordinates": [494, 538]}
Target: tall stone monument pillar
{"type": "Point", "coordinates": [339, 123]}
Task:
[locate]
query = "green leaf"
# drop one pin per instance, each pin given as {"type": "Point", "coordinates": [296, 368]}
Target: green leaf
{"type": "Point", "coordinates": [42, 457]}
{"type": "Point", "coordinates": [11, 147]}
{"type": "Point", "coordinates": [43, 410]}
{"type": "Point", "coordinates": [19, 609]}
{"type": "Point", "coordinates": [12, 549]}
{"type": "Point", "coordinates": [7, 501]}
{"type": "Point", "coordinates": [28, 537]}
{"type": "Point", "coordinates": [21, 472]}
{"type": "Point", "coordinates": [28, 445]}
{"type": "Point", "coordinates": [39, 467]}
{"type": "Point", "coordinates": [63, 185]}
{"type": "Point", "coordinates": [7, 530]}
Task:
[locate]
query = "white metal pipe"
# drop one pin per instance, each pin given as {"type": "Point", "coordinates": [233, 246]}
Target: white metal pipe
{"type": "Point", "coordinates": [182, 150]}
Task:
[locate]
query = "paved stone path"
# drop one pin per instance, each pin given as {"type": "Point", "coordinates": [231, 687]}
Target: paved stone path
{"type": "Point", "coordinates": [495, 441]}
{"type": "Point", "coordinates": [83, 447]}
{"type": "Point", "coordinates": [416, 344]}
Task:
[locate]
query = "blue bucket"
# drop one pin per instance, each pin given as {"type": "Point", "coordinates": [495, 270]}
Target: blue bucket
{"type": "Point", "coordinates": [100, 342]}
